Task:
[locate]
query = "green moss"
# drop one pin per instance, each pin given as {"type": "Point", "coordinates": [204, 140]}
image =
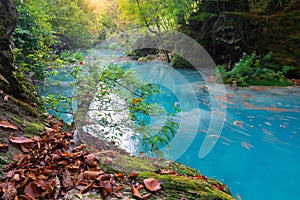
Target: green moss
{"type": "Point", "coordinates": [183, 186]}
{"type": "Point", "coordinates": [173, 187]}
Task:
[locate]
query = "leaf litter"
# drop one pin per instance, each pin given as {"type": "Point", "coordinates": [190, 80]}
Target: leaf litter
{"type": "Point", "coordinates": [48, 168]}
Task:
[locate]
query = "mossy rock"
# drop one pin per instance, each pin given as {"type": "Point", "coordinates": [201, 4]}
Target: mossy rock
{"type": "Point", "coordinates": [181, 186]}
{"type": "Point", "coordinates": [25, 117]}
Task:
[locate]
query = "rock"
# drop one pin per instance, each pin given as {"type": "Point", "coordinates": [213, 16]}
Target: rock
{"type": "Point", "coordinates": [8, 82]}
{"type": "Point", "coordinates": [262, 26]}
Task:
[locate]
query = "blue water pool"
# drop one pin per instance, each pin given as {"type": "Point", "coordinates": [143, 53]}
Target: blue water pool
{"type": "Point", "coordinates": [257, 154]}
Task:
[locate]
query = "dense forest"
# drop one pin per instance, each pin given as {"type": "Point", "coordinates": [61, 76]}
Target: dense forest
{"type": "Point", "coordinates": [253, 42]}
{"type": "Point", "coordinates": [226, 29]}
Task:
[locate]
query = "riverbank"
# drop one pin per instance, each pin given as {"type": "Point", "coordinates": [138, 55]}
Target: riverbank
{"type": "Point", "coordinates": [19, 119]}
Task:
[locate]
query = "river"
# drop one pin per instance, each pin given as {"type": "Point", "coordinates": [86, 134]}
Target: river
{"type": "Point", "coordinates": [257, 152]}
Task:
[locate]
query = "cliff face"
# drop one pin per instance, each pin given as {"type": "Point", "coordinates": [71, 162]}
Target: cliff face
{"type": "Point", "coordinates": [263, 26]}
{"type": "Point", "coordinates": [17, 87]}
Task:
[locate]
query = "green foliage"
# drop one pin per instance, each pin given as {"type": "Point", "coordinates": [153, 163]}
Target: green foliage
{"type": "Point", "coordinates": [160, 14]}
{"type": "Point", "coordinates": [71, 57]}
{"type": "Point", "coordinates": [33, 38]}
{"type": "Point", "coordinates": [253, 70]}
{"type": "Point", "coordinates": [121, 105]}
{"type": "Point", "coordinates": [72, 23]}
{"type": "Point", "coordinates": [44, 27]}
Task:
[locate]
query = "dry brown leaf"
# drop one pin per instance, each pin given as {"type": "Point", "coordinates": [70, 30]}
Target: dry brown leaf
{"type": "Point", "coordinates": [119, 188]}
{"type": "Point", "coordinates": [107, 185]}
{"type": "Point", "coordinates": [173, 172]}
{"type": "Point", "coordinates": [103, 177]}
{"type": "Point", "coordinates": [135, 192]}
{"type": "Point", "coordinates": [33, 190]}
{"type": "Point", "coordinates": [24, 148]}
{"type": "Point", "coordinates": [3, 148]}
{"type": "Point", "coordinates": [132, 175]}
{"type": "Point", "coordinates": [10, 173]}
{"type": "Point", "coordinates": [15, 178]}
{"type": "Point", "coordinates": [20, 140]}
{"type": "Point", "coordinates": [22, 184]}
{"type": "Point", "coordinates": [140, 186]}
{"type": "Point", "coordinates": [91, 160]}
{"type": "Point", "coordinates": [67, 179]}
{"type": "Point", "coordinates": [120, 176]}
{"type": "Point", "coordinates": [201, 177]}
{"type": "Point", "coordinates": [9, 192]}
{"type": "Point", "coordinates": [17, 156]}
{"type": "Point", "coordinates": [92, 174]}
{"type": "Point", "coordinates": [75, 166]}
{"type": "Point", "coordinates": [152, 184]}
{"type": "Point", "coordinates": [8, 125]}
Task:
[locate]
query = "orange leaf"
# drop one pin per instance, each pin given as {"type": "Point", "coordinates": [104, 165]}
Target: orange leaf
{"type": "Point", "coordinates": [132, 175]}
{"type": "Point", "coordinates": [136, 100]}
{"type": "Point", "coordinates": [135, 192]}
{"type": "Point", "coordinates": [92, 174]}
{"type": "Point", "coordinates": [103, 177]}
{"type": "Point", "coordinates": [119, 187]}
{"type": "Point", "coordinates": [120, 176]}
{"type": "Point", "coordinates": [152, 184]}
{"type": "Point", "coordinates": [162, 171]}
{"type": "Point", "coordinates": [201, 177]}
{"type": "Point", "coordinates": [8, 125]}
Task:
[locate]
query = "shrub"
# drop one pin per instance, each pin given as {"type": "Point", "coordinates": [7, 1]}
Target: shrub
{"type": "Point", "coordinates": [253, 70]}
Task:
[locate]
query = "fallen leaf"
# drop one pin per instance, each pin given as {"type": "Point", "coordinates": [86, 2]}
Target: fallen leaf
{"type": "Point", "coordinates": [67, 179]}
{"type": "Point", "coordinates": [238, 123]}
{"type": "Point", "coordinates": [10, 174]}
{"type": "Point", "coordinates": [132, 175]}
{"type": "Point", "coordinates": [92, 174]}
{"type": "Point", "coordinates": [107, 185]}
{"type": "Point", "coordinates": [201, 177]}
{"type": "Point", "coordinates": [119, 187]}
{"type": "Point", "coordinates": [10, 192]}
{"type": "Point", "coordinates": [20, 140]}
{"type": "Point", "coordinates": [15, 178]}
{"type": "Point", "coordinates": [8, 125]}
{"type": "Point", "coordinates": [103, 177]}
{"type": "Point", "coordinates": [152, 184]}
{"type": "Point", "coordinates": [135, 192]}
{"type": "Point", "coordinates": [120, 176]}
{"type": "Point", "coordinates": [3, 148]}
{"type": "Point", "coordinates": [162, 171]}
{"type": "Point", "coordinates": [32, 190]}
{"type": "Point", "coordinates": [91, 160]}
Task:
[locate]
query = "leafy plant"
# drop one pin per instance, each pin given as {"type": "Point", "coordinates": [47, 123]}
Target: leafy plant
{"type": "Point", "coordinates": [121, 105]}
{"type": "Point", "coordinates": [253, 70]}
